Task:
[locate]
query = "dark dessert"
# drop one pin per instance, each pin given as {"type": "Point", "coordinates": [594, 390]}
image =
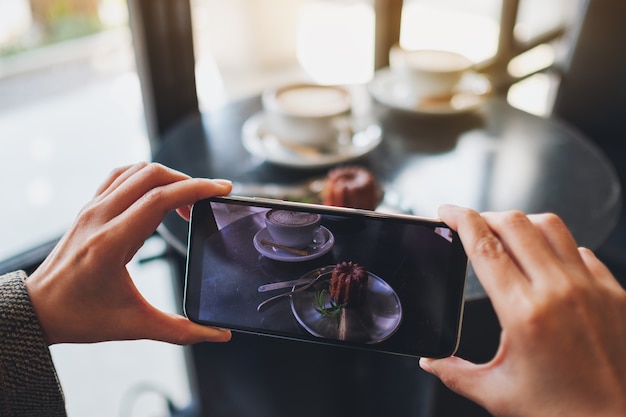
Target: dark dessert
{"type": "Point", "coordinates": [351, 186]}
{"type": "Point", "coordinates": [348, 284]}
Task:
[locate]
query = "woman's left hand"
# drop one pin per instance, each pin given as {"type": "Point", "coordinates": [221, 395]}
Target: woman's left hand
{"type": "Point", "coordinates": [83, 292]}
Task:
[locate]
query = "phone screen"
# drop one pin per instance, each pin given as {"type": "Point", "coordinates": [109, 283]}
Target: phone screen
{"type": "Point", "coordinates": [391, 283]}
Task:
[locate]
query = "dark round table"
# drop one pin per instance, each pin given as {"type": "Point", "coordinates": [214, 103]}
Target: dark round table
{"type": "Point", "coordinates": [497, 159]}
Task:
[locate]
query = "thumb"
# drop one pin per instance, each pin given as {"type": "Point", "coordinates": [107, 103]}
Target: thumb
{"type": "Point", "coordinates": [461, 376]}
{"type": "Point", "coordinates": [176, 329]}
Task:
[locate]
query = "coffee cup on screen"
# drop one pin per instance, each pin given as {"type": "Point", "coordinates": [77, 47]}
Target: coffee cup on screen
{"type": "Point", "coordinates": [428, 73]}
{"type": "Point", "coordinates": [306, 114]}
{"type": "Point", "coordinates": [292, 229]}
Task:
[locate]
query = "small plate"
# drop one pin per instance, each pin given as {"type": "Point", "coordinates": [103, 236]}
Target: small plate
{"type": "Point", "coordinates": [469, 95]}
{"type": "Point", "coordinates": [322, 243]}
{"type": "Point", "coordinates": [358, 138]}
{"type": "Point", "coordinates": [374, 321]}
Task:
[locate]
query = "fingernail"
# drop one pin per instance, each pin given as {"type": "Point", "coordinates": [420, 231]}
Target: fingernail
{"type": "Point", "coordinates": [425, 365]}
{"type": "Point", "coordinates": [225, 334]}
{"type": "Point", "coordinates": [448, 207]}
{"type": "Point", "coordinates": [222, 182]}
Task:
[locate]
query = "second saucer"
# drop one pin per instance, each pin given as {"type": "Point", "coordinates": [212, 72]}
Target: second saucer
{"type": "Point", "coordinates": [468, 95]}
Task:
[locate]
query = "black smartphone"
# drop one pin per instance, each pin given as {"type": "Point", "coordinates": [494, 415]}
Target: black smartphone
{"type": "Point", "coordinates": [388, 282]}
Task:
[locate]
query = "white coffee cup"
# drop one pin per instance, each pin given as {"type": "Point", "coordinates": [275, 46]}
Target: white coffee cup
{"type": "Point", "coordinates": [306, 114]}
{"type": "Point", "coordinates": [428, 73]}
{"type": "Point", "coordinates": [293, 229]}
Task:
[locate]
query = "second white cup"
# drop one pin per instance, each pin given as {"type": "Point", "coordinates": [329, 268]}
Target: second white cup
{"type": "Point", "coordinates": [428, 73]}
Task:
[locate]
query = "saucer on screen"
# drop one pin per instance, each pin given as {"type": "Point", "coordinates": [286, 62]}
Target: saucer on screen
{"type": "Point", "coordinates": [469, 95]}
{"type": "Point", "coordinates": [322, 243]}
{"type": "Point", "coordinates": [357, 139]}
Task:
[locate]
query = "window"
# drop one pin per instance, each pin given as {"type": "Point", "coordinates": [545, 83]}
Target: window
{"type": "Point", "coordinates": [243, 46]}
{"type": "Point", "coordinates": [70, 110]}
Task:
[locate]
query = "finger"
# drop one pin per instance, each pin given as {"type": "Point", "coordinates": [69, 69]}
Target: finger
{"type": "Point", "coordinates": [185, 211]}
{"type": "Point", "coordinates": [461, 376]}
{"type": "Point", "coordinates": [495, 269]}
{"type": "Point", "coordinates": [148, 212]}
{"type": "Point", "coordinates": [558, 236]}
{"type": "Point", "coordinates": [136, 183]}
{"type": "Point", "coordinates": [172, 328]}
{"type": "Point", "coordinates": [526, 245]}
{"type": "Point", "coordinates": [152, 324]}
{"type": "Point", "coordinates": [117, 176]}
{"type": "Point", "coordinates": [598, 269]}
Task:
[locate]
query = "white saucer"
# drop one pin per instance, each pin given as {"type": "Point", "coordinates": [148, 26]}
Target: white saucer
{"type": "Point", "coordinates": [358, 139]}
{"type": "Point", "coordinates": [323, 242]}
{"type": "Point", "coordinates": [470, 94]}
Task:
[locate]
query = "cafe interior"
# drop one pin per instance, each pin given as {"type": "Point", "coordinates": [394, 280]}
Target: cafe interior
{"type": "Point", "coordinates": [534, 121]}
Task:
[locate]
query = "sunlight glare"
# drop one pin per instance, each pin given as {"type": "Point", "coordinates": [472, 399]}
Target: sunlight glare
{"type": "Point", "coordinates": [531, 61]}
{"type": "Point", "coordinates": [429, 27]}
{"type": "Point", "coordinates": [335, 43]}
{"type": "Point", "coordinates": [533, 94]}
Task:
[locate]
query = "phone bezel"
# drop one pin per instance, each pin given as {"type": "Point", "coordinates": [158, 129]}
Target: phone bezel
{"type": "Point", "coordinates": [192, 286]}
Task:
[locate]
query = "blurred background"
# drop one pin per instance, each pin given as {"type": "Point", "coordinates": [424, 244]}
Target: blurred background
{"type": "Point", "coordinates": [71, 110]}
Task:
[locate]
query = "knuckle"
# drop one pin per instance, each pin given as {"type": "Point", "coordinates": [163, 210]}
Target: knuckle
{"type": "Point", "coordinates": [154, 196]}
{"type": "Point", "coordinates": [154, 199]}
{"type": "Point", "coordinates": [487, 246]}
{"type": "Point", "coordinates": [571, 294]}
{"type": "Point", "coordinates": [142, 164]}
{"type": "Point", "coordinates": [181, 339]}
{"type": "Point", "coordinates": [549, 221]}
{"type": "Point", "coordinates": [89, 214]}
{"type": "Point", "coordinates": [568, 298]}
{"type": "Point", "coordinates": [484, 243]}
{"type": "Point", "coordinates": [116, 172]}
{"type": "Point", "coordinates": [514, 218]}
{"type": "Point", "coordinates": [154, 168]}
{"type": "Point", "coordinates": [533, 318]}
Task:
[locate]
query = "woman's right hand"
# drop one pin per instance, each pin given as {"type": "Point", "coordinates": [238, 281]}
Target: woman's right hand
{"type": "Point", "coordinates": [563, 315]}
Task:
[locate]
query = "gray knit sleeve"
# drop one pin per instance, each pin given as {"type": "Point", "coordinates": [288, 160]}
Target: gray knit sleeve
{"type": "Point", "coordinates": [28, 381]}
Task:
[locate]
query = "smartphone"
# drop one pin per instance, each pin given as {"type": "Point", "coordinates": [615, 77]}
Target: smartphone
{"type": "Point", "coordinates": [386, 282]}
